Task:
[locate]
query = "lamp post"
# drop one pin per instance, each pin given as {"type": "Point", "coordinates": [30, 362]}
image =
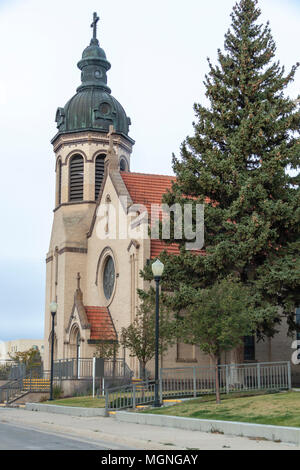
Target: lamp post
{"type": "Point", "coordinates": [53, 310]}
{"type": "Point", "coordinates": [157, 270]}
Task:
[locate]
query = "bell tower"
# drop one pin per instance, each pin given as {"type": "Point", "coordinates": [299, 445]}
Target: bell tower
{"type": "Point", "coordinates": [80, 148]}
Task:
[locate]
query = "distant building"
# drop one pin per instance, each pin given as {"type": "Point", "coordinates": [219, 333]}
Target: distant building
{"type": "Point", "coordinates": [12, 347]}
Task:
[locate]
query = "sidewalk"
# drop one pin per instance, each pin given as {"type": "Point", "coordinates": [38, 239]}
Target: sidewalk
{"type": "Point", "coordinates": [135, 436]}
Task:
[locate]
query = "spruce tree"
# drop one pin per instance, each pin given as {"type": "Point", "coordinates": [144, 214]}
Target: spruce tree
{"type": "Point", "coordinates": [244, 157]}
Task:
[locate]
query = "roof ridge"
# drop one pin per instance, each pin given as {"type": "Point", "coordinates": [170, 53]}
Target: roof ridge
{"type": "Point", "coordinates": [147, 174]}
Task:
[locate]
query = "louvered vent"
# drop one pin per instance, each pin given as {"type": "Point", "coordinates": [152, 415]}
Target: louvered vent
{"type": "Point", "coordinates": [76, 178]}
{"type": "Point", "coordinates": [99, 172]}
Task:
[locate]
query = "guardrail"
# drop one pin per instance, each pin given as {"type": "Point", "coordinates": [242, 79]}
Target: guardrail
{"type": "Point", "coordinates": [82, 368]}
{"type": "Point", "coordinates": [6, 368]}
{"type": "Point", "coordinates": [32, 382]}
{"type": "Point", "coordinates": [130, 396]}
{"type": "Point", "coordinates": [195, 381]}
{"type": "Point", "coordinates": [9, 390]}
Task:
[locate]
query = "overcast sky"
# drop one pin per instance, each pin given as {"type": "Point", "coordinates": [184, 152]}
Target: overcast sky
{"type": "Point", "coordinates": [158, 52]}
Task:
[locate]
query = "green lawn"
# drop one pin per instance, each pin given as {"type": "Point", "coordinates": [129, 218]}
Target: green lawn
{"type": "Point", "coordinates": [281, 409]}
{"type": "Point", "coordinates": [85, 402]}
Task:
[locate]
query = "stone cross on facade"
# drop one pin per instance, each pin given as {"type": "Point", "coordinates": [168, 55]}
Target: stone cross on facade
{"type": "Point", "coordinates": [94, 25]}
{"type": "Point", "coordinates": [113, 161]}
{"type": "Point", "coordinates": [110, 136]}
{"type": "Point", "coordinates": [78, 281]}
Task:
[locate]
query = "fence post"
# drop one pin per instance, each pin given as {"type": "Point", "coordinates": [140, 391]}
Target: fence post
{"type": "Point", "coordinates": [106, 402]}
{"type": "Point", "coordinates": [94, 373]}
{"type": "Point", "coordinates": [258, 377]}
{"type": "Point", "coordinates": [289, 375]}
{"type": "Point", "coordinates": [133, 396]}
{"type": "Point", "coordinates": [194, 382]}
{"type": "Point", "coordinates": [160, 387]}
{"type": "Point", "coordinates": [227, 379]}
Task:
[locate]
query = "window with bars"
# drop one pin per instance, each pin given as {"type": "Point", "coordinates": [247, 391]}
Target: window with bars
{"type": "Point", "coordinates": [99, 173]}
{"type": "Point", "coordinates": [76, 178]}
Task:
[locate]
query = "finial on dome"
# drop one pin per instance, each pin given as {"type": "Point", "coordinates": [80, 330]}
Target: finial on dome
{"type": "Point", "coordinates": [94, 26]}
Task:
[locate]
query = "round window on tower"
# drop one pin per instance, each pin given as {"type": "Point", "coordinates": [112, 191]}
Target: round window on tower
{"type": "Point", "coordinates": [109, 277]}
{"type": "Point", "coordinates": [98, 74]}
{"type": "Point", "coordinates": [104, 109]}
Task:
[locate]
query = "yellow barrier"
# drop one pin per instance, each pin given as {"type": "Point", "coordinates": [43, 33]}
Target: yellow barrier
{"type": "Point", "coordinates": [42, 384]}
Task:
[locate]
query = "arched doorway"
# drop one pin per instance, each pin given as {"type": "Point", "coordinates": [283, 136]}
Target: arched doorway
{"type": "Point", "coordinates": [74, 350]}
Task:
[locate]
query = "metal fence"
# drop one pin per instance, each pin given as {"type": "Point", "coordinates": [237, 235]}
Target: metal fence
{"type": "Point", "coordinates": [130, 396]}
{"type": "Point", "coordinates": [6, 369]}
{"type": "Point", "coordinates": [196, 381]}
{"type": "Point", "coordinates": [32, 382]}
{"type": "Point", "coordinates": [83, 368]}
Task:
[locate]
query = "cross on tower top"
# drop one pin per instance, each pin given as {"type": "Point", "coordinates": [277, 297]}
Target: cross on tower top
{"type": "Point", "coordinates": [94, 25]}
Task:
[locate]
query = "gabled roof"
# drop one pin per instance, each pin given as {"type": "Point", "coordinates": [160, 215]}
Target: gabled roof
{"type": "Point", "coordinates": [147, 189]}
{"type": "Point", "coordinates": [102, 327]}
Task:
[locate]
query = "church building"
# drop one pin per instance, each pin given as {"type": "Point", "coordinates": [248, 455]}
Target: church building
{"type": "Point", "coordinates": [99, 239]}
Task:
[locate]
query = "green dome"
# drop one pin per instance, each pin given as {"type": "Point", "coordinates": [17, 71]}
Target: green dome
{"type": "Point", "coordinates": [94, 52]}
{"type": "Point", "coordinates": [93, 107]}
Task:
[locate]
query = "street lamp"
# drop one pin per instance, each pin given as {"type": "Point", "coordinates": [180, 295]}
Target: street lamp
{"type": "Point", "coordinates": [157, 270]}
{"type": "Point", "coordinates": [53, 310]}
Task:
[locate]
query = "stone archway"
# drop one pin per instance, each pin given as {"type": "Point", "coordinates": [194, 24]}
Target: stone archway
{"type": "Point", "coordinates": [73, 346]}
{"type": "Point", "coordinates": [74, 349]}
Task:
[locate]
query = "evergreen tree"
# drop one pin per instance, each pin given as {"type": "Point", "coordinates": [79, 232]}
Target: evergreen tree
{"type": "Point", "coordinates": [244, 157]}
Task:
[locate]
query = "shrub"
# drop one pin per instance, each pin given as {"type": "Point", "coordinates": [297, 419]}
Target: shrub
{"type": "Point", "coordinates": [57, 392]}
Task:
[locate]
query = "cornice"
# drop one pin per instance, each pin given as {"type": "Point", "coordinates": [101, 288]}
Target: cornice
{"type": "Point", "coordinates": [74, 203]}
{"type": "Point", "coordinates": [91, 138]}
{"type": "Point", "coordinates": [68, 249]}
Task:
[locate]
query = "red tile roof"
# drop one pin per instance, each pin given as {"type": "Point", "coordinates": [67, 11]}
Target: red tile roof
{"type": "Point", "coordinates": [149, 189]}
{"type": "Point", "coordinates": [102, 327]}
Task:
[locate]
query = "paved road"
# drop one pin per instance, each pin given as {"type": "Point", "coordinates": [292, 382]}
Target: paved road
{"type": "Point", "coordinates": [20, 429]}
{"type": "Point", "coordinates": [14, 437]}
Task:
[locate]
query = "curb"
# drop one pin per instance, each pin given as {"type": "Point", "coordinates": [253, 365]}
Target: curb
{"type": "Point", "coordinates": [230, 428]}
{"type": "Point", "coordinates": [66, 410]}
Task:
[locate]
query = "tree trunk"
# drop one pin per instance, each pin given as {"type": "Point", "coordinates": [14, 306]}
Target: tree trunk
{"type": "Point", "coordinates": [218, 397]}
{"type": "Point", "coordinates": [143, 370]}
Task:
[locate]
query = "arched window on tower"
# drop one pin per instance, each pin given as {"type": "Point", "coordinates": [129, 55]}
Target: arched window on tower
{"type": "Point", "coordinates": [59, 168]}
{"type": "Point", "coordinates": [99, 173]}
{"type": "Point", "coordinates": [123, 165]}
{"type": "Point", "coordinates": [76, 178]}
